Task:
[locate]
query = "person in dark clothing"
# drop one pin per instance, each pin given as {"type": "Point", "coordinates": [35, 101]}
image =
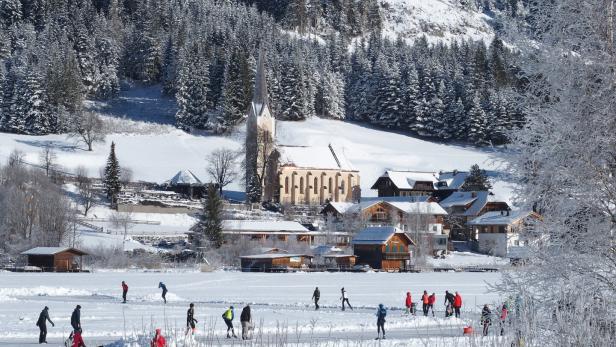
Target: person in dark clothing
{"type": "Point", "coordinates": [344, 299]}
{"type": "Point", "coordinates": [381, 313]}
{"type": "Point", "coordinates": [449, 299]}
{"type": "Point", "coordinates": [245, 320]}
{"type": "Point", "coordinates": [164, 288]}
{"type": "Point", "coordinates": [124, 290]}
{"type": "Point", "coordinates": [76, 318]}
{"type": "Point", "coordinates": [190, 319]}
{"type": "Point", "coordinates": [316, 296]}
{"type": "Point", "coordinates": [486, 319]}
{"type": "Point", "coordinates": [42, 324]}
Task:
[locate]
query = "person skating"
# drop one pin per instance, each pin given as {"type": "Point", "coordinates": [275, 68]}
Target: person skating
{"type": "Point", "coordinates": [162, 286]}
{"type": "Point", "coordinates": [431, 301]}
{"type": "Point", "coordinates": [486, 319]}
{"type": "Point", "coordinates": [316, 295]}
{"type": "Point", "coordinates": [124, 291]}
{"type": "Point", "coordinates": [503, 318]}
{"type": "Point", "coordinates": [457, 304]}
{"type": "Point", "coordinates": [425, 299]}
{"type": "Point", "coordinates": [344, 299]}
{"type": "Point", "coordinates": [76, 318]}
{"type": "Point", "coordinates": [246, 321]}
{"type": "Point", "coordinates": [449, 299]}
{"type": "Point", "coordinates": [190, 319]}
{"type": "Point", "coordinates": [158, 340]}
{"type": "Point", "coordinates": [381, 313]}
{"type": "Point", "coordinates": [228, 318]}
{"type": "Point", "coordinates": [42, 324]}
{"type": "Point", "coordinates": [408, 303]}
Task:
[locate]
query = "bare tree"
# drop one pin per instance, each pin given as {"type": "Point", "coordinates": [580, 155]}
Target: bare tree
{"type": "Point", "coordinates": [16, 158]}
{"type": "Point", "coordinates": [126, 175]}
{"type": "Point", "coordinates": [87, 127]}
{"type": "Point", "coordinates": [124, 221]}
{"type": "Point", "coordinates": [222, 167]}
{"type": "Point", "coordinates": [87, 194]}
{"type": "Point", "coordinates": [47, 160]}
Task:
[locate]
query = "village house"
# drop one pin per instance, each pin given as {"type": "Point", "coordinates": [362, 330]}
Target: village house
{"type": "Point", "coordinates": [293, 175]}
{"type": "Point", "coordinates": [274, 260]}
{"type": "Point", "coordinates": [385, 248]}
{"type": "Point", "coordinates": [465, 206]}
{"type": "Point", "coordinates": [498, 232]}
{"type": "Point", "coordinates": [419, 183]}
{"type": "Point", "coordinates": [55, 259]}
{"type": "Point", "coordinates": [280, 232]}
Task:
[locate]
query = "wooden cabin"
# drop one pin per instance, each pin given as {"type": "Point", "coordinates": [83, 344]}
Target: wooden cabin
{"type": "Point", "coordinates": [339, 261]}
{"type": "Point", "coordinates": [56, 259]}
{"type": "Point", "coordinates": [274, 262]}
{"type": "Point", "coordinates": [385, 248]}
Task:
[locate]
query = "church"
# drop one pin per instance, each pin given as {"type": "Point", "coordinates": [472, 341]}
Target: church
{"type": "Point", "coordinates": [291, 175]}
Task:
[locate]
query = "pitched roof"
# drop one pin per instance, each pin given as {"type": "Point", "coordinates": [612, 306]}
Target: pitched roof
{"type": "Point", "coordinates": [318, 157]}
{"type": "Point", "coordinates": [454, 179]}
{"type": "Point", "coordinates": [501, 217]}
{"type": "Point", "coordinates": [263, 226]}
{"type": "Point", "coordinates": [184, 177]}
{"type": "Point", "coordinates": [429, 208]}
{"type": "Point", "coordinates": [377, 235]}
{"type": "Point", "coordinates": [478, 201]}
{"type": "Point", "coordinates": [407, 179]}
{"type": "Point", "coordinates": [260, 96]}
{"type": "Point", "coordinates": [274, 256]}
{"type": "Point", "coordinates": [52, 251]}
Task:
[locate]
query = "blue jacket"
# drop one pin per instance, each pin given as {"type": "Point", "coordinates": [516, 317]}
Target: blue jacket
{"type": "Point", "coordinates": [381, 312]}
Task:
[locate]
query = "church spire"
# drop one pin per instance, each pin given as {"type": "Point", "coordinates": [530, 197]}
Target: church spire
{"type": "Point", "coordinates": [259, 96]}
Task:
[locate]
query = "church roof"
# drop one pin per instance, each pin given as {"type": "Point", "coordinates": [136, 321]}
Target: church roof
{"type": "Point", "coordinates": [260, 97]}
{"type": "Point", "coordinates": [184, 177]}
{"type": "Point", "coordinates": [318, 157]}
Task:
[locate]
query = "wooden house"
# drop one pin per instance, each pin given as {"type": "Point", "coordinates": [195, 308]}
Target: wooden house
{"type": "Point", "coordinates": [278, 231]}
{"type": "Point", "coordinates": [274, 262]}
{"type": "Point", "coordinates": [385, 248]}
{"type": "Point", "coordinates": [58, 259]}
{"type": "Point", "coordinates": [419, 183]}
{"type": "Point", "coordinates": [465, 206]}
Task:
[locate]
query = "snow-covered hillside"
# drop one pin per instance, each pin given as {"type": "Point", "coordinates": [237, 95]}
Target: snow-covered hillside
{"type": "Point", "coordinates": [439, 20]}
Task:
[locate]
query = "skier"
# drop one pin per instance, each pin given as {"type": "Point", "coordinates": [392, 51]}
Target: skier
{"type": "Point", "coordinates": [408, 303]}
{"type": "Point", "coordinates": [431, 301]}
{"type": "Point", "coordinates": [164, 288]}
{"type": "Point", "coordinates": [76, 318]}
{"type": "Point", "coordinates": [42, 324]}
{"type": "Point", "coordinates": [486, 319]}
{"type": "Point", "coordinates": [449, 299]}
{"type": "Point", "coordinates": [228, 318]}
{"type": "Point", "coordinates": [245, 320]}
{"type": "Point", "coordinates": [190, 319]}
{"type": "Point", "coordinates": [344, 299]}
{"type": "Point", "coordinates": [316, 296]}
{"type": "Point", "coordinates": [158, 340]}
{"type": "Point", "coordinates": [77, 339]}
{"type": "Point", "coordinates": [425, 300]}
{"type": "Point", "coordinates": [503, 318]}
{"type": "Point", "coordinates": [124, 291]}
{"type": "Point", "coordinates": [457, 304]}
{"type": "Point", "coordinates": [381, 312]}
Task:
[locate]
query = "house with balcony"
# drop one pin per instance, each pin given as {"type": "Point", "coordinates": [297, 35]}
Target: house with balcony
{"type": "Point", "coordinates": [385, 248]}
{"type": "Point", "coordinates": [419, 183]}
{"type": "Point", "coordinates": [463, 207]}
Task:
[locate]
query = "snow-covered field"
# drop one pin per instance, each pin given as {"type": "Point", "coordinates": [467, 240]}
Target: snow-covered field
{"type": "Point", "coordinates": [277, 301]}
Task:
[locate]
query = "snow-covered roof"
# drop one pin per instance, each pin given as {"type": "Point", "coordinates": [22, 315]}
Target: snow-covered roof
{"type": "Point", "coordinates": [317, 157]}
{"type": "Point", "coordinates": [184, 177]}
{"type": "Point", "coordinates": [275, 256]}
{"type": "Point", "coordinates": [342, 207]}
{"type": "Point", "coordinates": [478, 201]}
{"type": "Point", "coordinates": [407, 179]}
{"type": "Point", "coordinates": [326, 250]}
{"type": "Point", "coordinates": [454, 179]}
{"type": "Point", "coordinates": [377, 235]}
{"type": "Point", "coordinates": [52, 251]}
{"type": "Point", "coordinates": [405, 204]}
{"type": "Point", "coordinates": [263, 226]}
{"type": "Point", "coordinates": [500, 217]}
{"type": "Point", "coordinates": [431, 208]}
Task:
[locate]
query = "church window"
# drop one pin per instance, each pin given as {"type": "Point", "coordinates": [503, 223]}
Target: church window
{"type": "Point", "coordinates": [315, 186]}
{"type": "Point", "coordinates": [342, 187]}
{"type": "Point", "coordinates": [286, 185]}
{"type": "Point", "coordinates": [330, 184]}
{"type": "Point", "coordinates": [301, 185]}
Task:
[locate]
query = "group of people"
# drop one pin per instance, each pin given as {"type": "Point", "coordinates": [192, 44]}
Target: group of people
{"type": "Point", "coordinates": [453, 304]}
{"type": "Point", "coordinates": [316, 295]}
{"type": "Point", "coordinates": [74, 340]}
{"type": "Point", "coordinates": [486, 318]}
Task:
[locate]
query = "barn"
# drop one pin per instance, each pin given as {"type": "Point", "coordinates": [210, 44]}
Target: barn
{"type": "Point", "coordinates": [274, 262]}
{"type": "Point", "coordinates": [385, 248]}
{"type": "Point", "coordinates": [56, 259]}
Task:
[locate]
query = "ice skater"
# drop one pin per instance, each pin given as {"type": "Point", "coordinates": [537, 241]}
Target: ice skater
{"type": "Point", "coordinates": [457, 304]}
{"type": "Point", "coordinates": [316, 295]}
{"type": "Point", "coordinates": [449, 300]}
{"type": "Point", "coordinates": [228, 318]}
{"type": "Point", "coordinates": [381, 313]}
{"type": "Point", "coordinates": [503, 318]}
{"type": "Point", "coordinates": [159, 339]}
{"type": "Point", "coordinates": [408, 303]}
{"type": "Point", "coordinates": [431, 301]}
{"type": "Point", "coordinates": [486, 319]}
{"type": "Point", "coordinates": [164, 288]}
{"type": "Point", "coordinates": [124, 291]}
{"type": "Point", "coordinates": [344, 299]}
{"type": "Point", "coordinates": [190, 320]}
{"type": "Point", "coordinates": [42, 324]}
{"type": "Point", "coordinates": [76, 318]}
{"type": "Point", "coordinates": [246, 321]}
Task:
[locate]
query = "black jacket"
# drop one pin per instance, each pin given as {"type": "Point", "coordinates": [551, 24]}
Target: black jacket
{"type": "Point", "coordinates": [449, 298]}
{"type": "Point", "coordinates": [190, 316]}
{"type": "Point", "coordinates": [43, 318]}
{"type": "Point", "coordinates": [316, 294]}
{"type": "Point", "coordinates": [76, 318]}
{"type": "Point", "coordinates": [245, 316]}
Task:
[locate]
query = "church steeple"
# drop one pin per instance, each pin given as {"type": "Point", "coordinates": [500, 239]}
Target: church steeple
{"type": "Point", "coordinates": [260, 97]}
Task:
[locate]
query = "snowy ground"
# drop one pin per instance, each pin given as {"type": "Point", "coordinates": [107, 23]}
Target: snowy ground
{"type": "Point", "coordinates": [277, 300]}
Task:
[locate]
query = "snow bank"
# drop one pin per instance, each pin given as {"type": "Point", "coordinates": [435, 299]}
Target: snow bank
{"type": "Point", "coordinates": [42, 291]}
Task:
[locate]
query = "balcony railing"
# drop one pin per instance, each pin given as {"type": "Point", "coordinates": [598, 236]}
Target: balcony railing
{"type": "Point", "coordinates": [396, 256]}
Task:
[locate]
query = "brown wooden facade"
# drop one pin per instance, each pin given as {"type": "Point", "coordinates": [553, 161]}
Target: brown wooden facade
{"type": "Point", "coordinates": [386, 187]}
{"type": "Point", "coordinates": [393, 255]}
{"type": "Point", "coordinates": [63, 261]}
{"type": "Point", "coordinates": [274, 263]}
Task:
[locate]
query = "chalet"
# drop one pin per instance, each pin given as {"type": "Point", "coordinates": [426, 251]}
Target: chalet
{"type": "Point", "coordinates": [274, 262]}
{"type": "Point", "coordinates": [465, 206]}
{"type": "Point", "coordinates": [278, 231]}
{"type": "Point", "coordinates": [419, 183]}
{"type": "Point", "coordinates": [498, 232]}
{"type": "Point", "coordinates": [56, 259]}
{"type": "Point", "coordinates": [384, 248]}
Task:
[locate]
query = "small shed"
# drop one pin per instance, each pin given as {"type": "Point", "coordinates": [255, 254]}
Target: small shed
{"type": "Point", "coordinates": [274, 262]}
{"type": "Point", "coordinates": [188, 184]}
{"type": "Point", "coordinates": [339, 261]}
{"type": "Point", "coordinates": [58, 259]}
{"type": "Point", "coordinates": [384, 248]}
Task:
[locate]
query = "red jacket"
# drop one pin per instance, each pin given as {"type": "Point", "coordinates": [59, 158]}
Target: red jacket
{"type": "Point", "coordinates": [425, 299]}
{"type": "Point", "coordinates": [159, 340]}
{"type": "Point", "coordinates": [77, 340]}
{"type": "Point", "coordinates": [504, 313]}
{"type": "Point", "coordinates": [409, 300]}
{"type": "Point", "coordinates": [457, 301]}
{"type": "Point", "coordinates": [125, 287]}
{"type": "Point", "coordinates": [432, 299]}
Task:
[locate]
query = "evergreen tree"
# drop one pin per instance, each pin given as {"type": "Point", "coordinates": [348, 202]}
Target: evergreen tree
{"type": "Point", "coordinates": [234, 94]}
{"type": "Point", "coordinates": [477, 180]}
{"type": "Point", "coordinates": [192, 91]}
{"type": "Point", "coordinates": [330, 97]}
{"type": "Point", "coordinates": [211, 220]}
{"type": "Point", "coordinates": [477, 122]}
{"type": "Point", "coordinates": [111, 179]}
